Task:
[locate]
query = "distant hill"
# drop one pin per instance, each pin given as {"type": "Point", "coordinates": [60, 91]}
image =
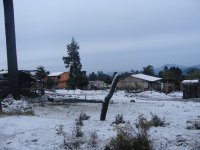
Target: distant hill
{"type": "Point", "coordinates": [184, 69]}
{"type": "Point", "coordinates": [196, 66]}
{"type": "Point", "coordinates": [157, 70]}
{"type": "Point", "coordinates": [191, 67]}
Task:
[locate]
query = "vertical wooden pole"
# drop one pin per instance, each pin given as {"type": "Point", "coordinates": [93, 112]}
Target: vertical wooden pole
{"type": "Point", "coordinates": [11, 48]}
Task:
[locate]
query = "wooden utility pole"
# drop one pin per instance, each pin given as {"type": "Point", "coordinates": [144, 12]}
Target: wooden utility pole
{"type": "Point", "coordinates": [11, 48]}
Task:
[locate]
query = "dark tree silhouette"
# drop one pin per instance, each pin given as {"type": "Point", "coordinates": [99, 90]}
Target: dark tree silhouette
{"type": "Point", "coordinates": [92, 76]}
{"type": "Point", "coordinates": [41, 73]}
{"type": "Point", "coordinates": [148, 70]}
{"type": "Point", "coordinates": [77, 78]}
{"type": "Point", "coordinates": [171, 73]}
{"type": "Point", "coordinates": [193, 73]}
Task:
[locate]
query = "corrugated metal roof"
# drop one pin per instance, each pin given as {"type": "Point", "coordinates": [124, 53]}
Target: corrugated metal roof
{"type": "Point", "coordinates": [54, 74]}
{"type": "Point", "coordinates": [146, 77]}
{"type": "Point", "coordinates": [3, 72]}
{"type": "Point", "coordinates": [190, 81]}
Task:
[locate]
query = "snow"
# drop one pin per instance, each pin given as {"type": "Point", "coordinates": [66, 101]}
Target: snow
{"type": "Point", "coordinates": [55, 74]}
{"type": "Point", "coordinates": [12, 106]}
{"type": "Point", "coordinates": [146, 77]}
{"type": "Point", "coordinates": [190, 81]}
{"type": "Point", "coordinates": [3, 72]}
{"type": "Point", "coordinates": [40, 131]}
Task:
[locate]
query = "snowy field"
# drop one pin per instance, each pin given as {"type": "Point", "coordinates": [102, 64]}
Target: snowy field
{"type": "Point", "coordinates": [41, 131]}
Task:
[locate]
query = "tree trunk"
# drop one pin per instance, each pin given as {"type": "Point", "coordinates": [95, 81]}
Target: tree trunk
{"type": "Point", "coordinates": [108, 97]}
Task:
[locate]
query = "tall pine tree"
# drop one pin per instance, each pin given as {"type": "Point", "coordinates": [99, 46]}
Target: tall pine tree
{"type": "Point", "coordinates": [72, 61]}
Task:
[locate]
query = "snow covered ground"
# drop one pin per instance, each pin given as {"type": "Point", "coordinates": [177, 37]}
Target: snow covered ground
{"type": "Point", "coordinates": [41, 130]}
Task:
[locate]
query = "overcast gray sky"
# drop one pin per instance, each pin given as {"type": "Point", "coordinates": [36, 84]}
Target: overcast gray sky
{"type": "Point", "coordinates": [114, 35]}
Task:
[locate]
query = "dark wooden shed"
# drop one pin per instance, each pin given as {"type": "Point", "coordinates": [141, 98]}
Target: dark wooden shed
{"type": "Point", "coordinates": [28, 84]}
{"type": "Point", "coordinates": [191, 89]}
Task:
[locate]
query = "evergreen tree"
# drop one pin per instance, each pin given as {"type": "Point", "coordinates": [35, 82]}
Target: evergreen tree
{"type": "Point", "coordinates": [104, 77]}
{"type": "Point", "coordinates": [148, 70]}
{"type": "Point", "coordinates": [114, 74]}
{"type": "Point", "coordinates": [171, 73]}
{"type": "Point", "coordinates": [193, 73]}
{"type": "Point", "coordinates": [92, 76]}
{"type": "Point", "coordinates": [72, 61]}
{"type": "Point", "coordinates": [50, 83]}
{"type": "Point", "coordinates": [41, 73]}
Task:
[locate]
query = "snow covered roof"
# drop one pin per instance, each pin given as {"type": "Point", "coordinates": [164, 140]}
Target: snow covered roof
{"type": "Point", "coordinates": [190, 81]}
{"type": "Point", "coordinates": [54, 74]}
{"type": "Point", "coordinates": [3, 72]}
{"type": "Point", "coordinates": [146, 77]}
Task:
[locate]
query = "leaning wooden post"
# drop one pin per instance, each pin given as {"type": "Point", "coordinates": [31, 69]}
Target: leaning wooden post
{"type": "Point", "coordinates": [108, 97]}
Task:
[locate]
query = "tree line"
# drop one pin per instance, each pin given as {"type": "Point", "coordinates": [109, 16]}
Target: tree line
{"type": "Point", "coordinates": [79, 79]}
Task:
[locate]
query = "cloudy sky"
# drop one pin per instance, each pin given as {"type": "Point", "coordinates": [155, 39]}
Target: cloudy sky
{"type": "Point", "coordinates": [113, 35]}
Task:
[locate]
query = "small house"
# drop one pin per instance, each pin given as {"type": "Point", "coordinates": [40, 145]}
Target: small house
{"type": "Point", "coordinates": [139, 82]}
{"type": "Point", "coordinates": [60, 78]}
{"type": "Point", "coordinates": [97, 85]}
{"type": "Point", "coordinates": [191, 89]}
{"type": "Point", "coordinates": [27, 83]}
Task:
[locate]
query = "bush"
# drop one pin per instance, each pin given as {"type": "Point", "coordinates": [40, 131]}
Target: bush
{"type": "Point", "coordinates": [93, 139]}
{"type": "Point", "coordinates": [197, 125]}
{"type": "Point", "coordinates": [142, 124]}
{"type": "Point", "coordinates": [59, 130]}
{"type": "Point", "coordinates": [72, 142]}
{"type": "Point", "coordinates": [81, 117]}
{"type": "Point", "coordinates": [77, 132]}
{"type": "Point", "coordinates": [194, 125]}
{"type": "Point", "coordinates": [84, 116]}
{"type": "Point", "coordinates": [128, 138]}
{"type": "Point", "coordinates": [75, 140]}
{"type": "Point", "coordinates": [156, 121]}
{"type": "Point", "coordinates": [79, 122]}
{"type": "Point", "coordinates": [119, 119]}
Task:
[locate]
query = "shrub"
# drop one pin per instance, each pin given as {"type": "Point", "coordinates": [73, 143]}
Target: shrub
{"type": "Point", "coordinates": [72, 142]}
{"type": "Point", "coordinates": [196, 145]}
{"type": "Point", "coordinates": [142, 124]}
{"type": "Point", "coordinates": [59, 130]}
{"type": "Point", "coordinates": [130, 138]}
{"type": "Point", "coordinates": [119, 119]}
{"type": "Point", "coordinates": [77, 132]}
{"type": "Point", "coordinates": [84, 116]}
{"type": "Point", "coordinates": [79, 122]}
{"type": "Point", "coordinates": [193, 125]}
{"type": "Point", "coordinates": [197, 125]}
{"type": "Point", "coordinates": [75, 140]}
{"type": "Point", "coordinates": [81, 117]}
{"type": "Point", "coordinates": [93, 139]}
{"type": "Point", "coordinates": [156, 121]}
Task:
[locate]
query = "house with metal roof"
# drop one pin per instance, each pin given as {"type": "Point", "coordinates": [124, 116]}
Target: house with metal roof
{"type": "Point", "coordinates": [140, 82]}
{"type": "Point", "coordinates": [60, 79]}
